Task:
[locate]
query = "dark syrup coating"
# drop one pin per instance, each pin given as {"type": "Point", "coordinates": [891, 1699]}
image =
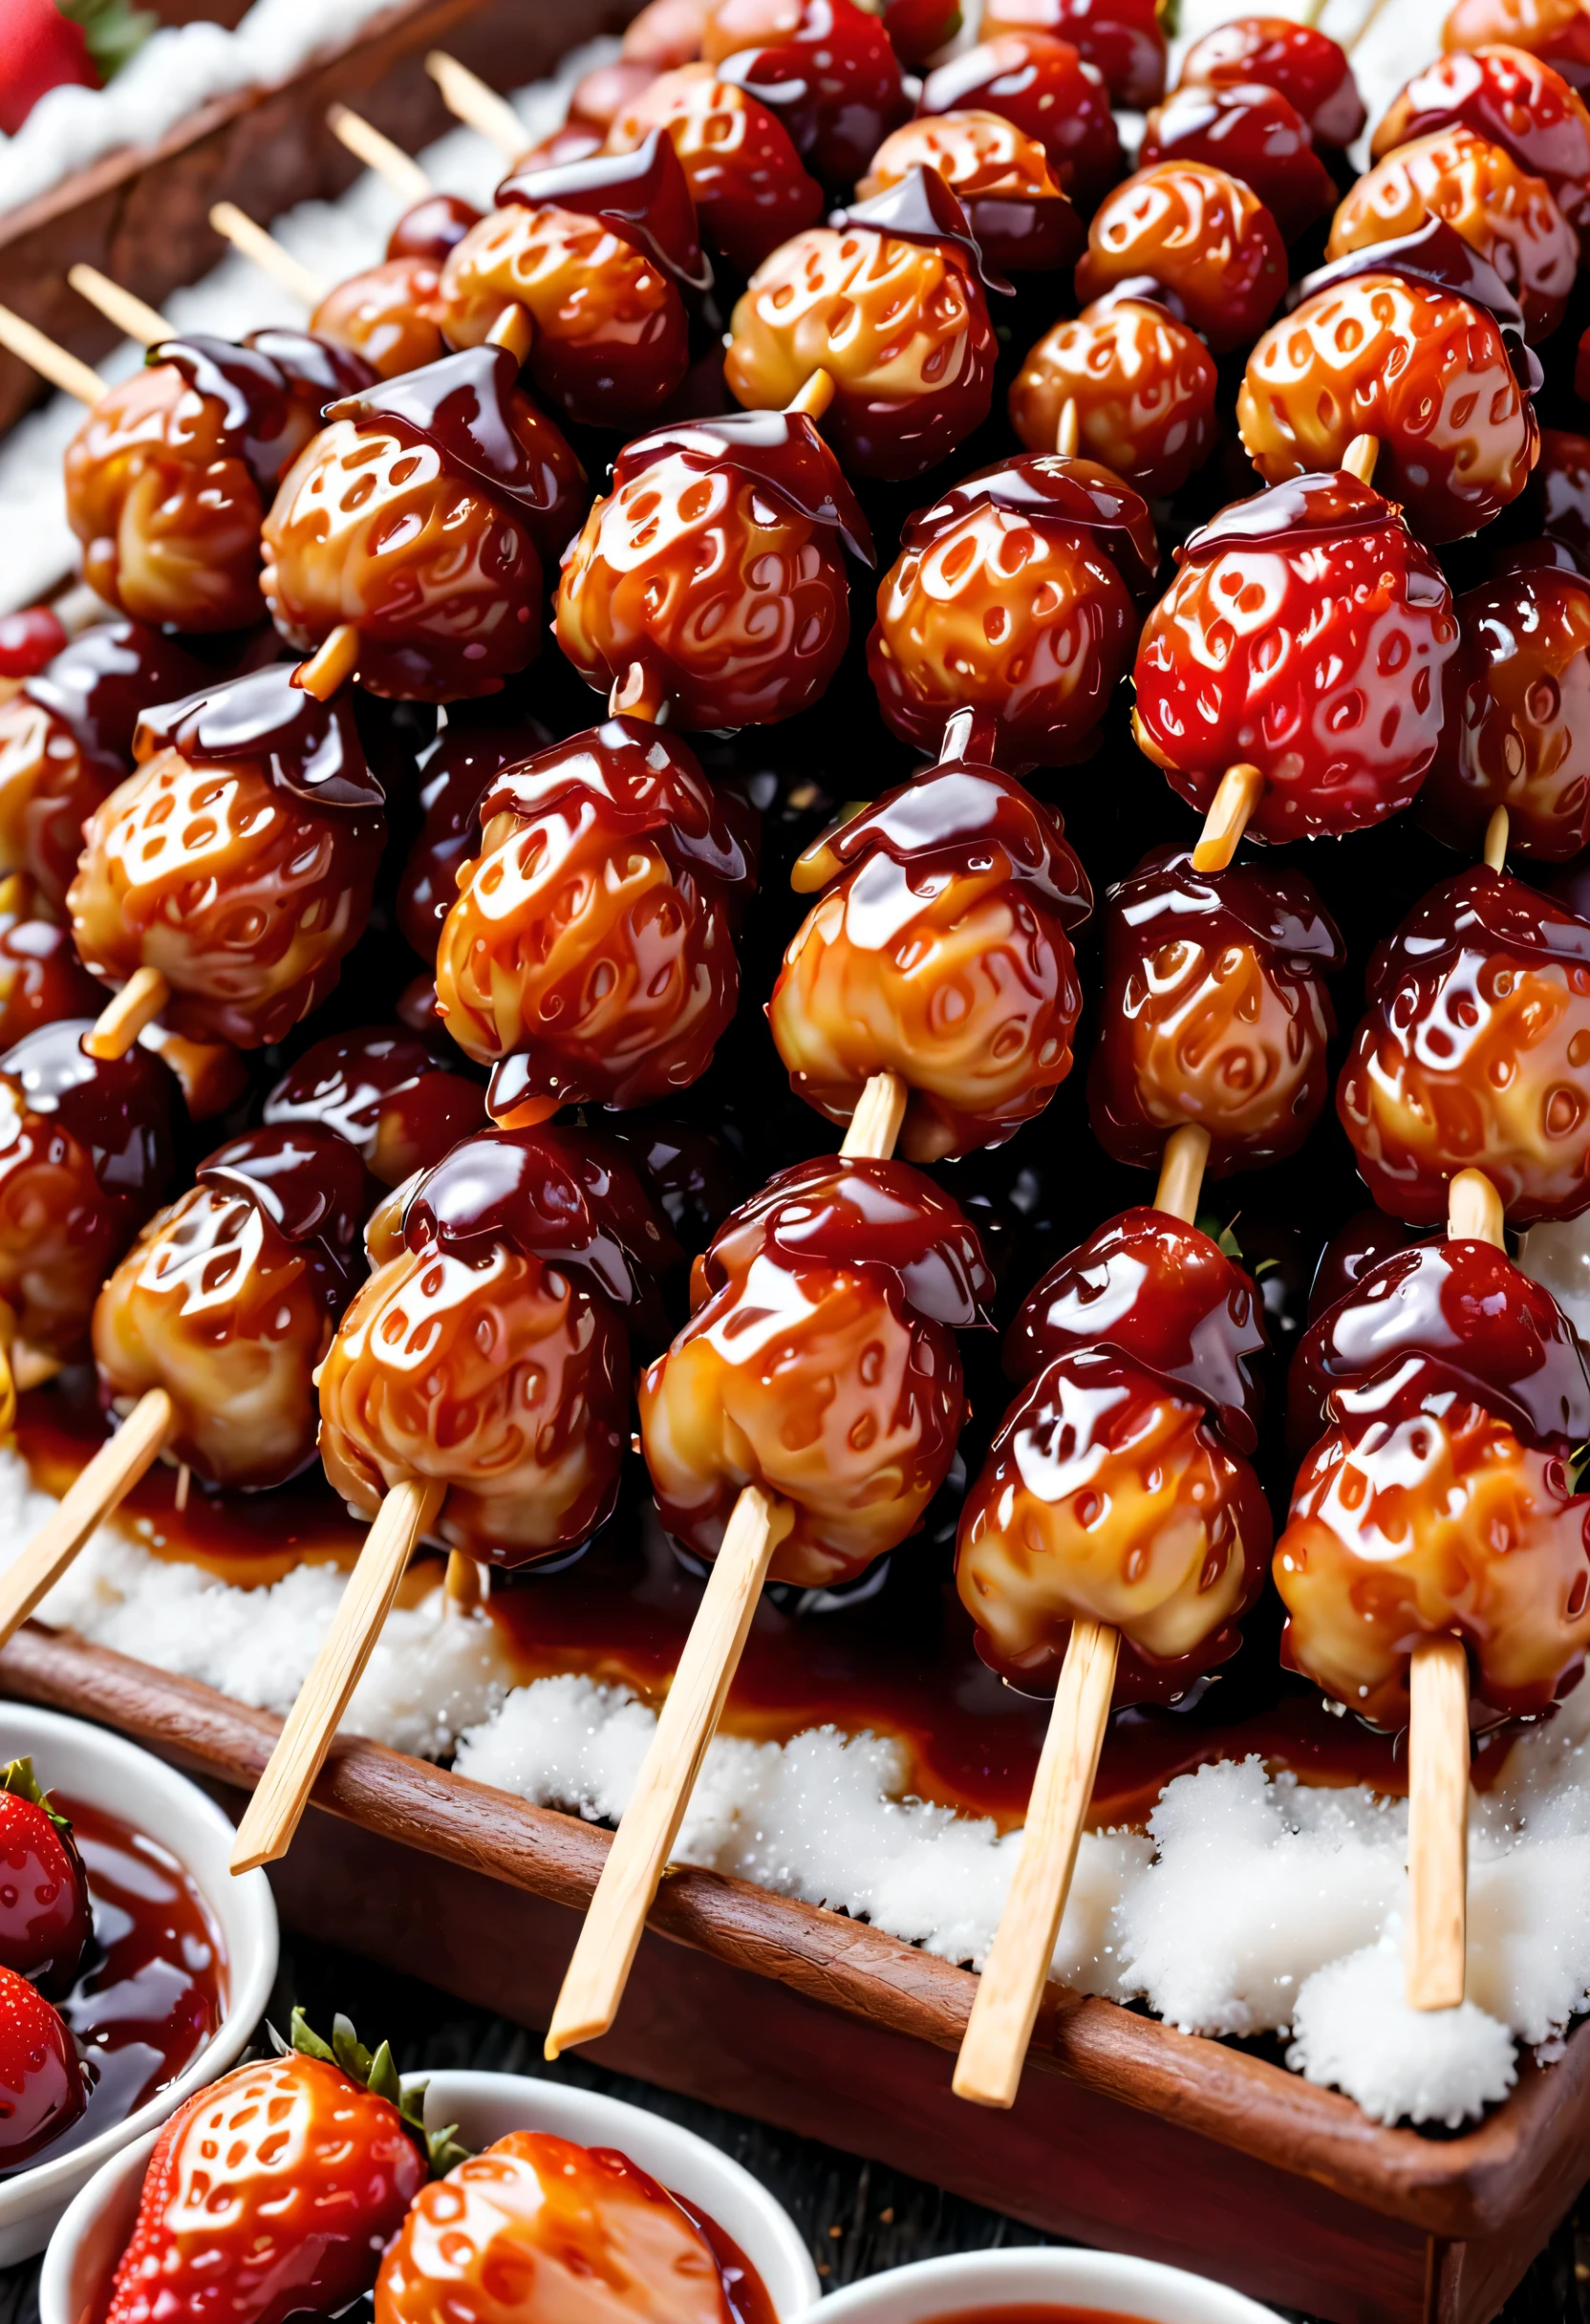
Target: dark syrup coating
{"type": "Point", "coordinates": [432, 227]}
{"type": "Point", "coordinates": [1436, 256]}
{"type": "Point", "coordinates": [1310, 70]}
{"type": "Point", "coordinates": [745, 179]}
{"type": "Point", "coordinates": [641, 194]}
{"type": "Point", "coordinates": [1043, 87]}
{"type": "Point", "coordinates": [1436, 1320]}
{"type": "Point", "coordinates": [1473, 1053]}
{"type": "Point", "coordinates": [1163, 1296]}
{"type": "Point", "coordinates": [269, 397]}
{"type": "Point", "coordinates": [41, 978]}
{"type": "Point", "coordinates": [1215, 1012]}
{"type": "Point", "coordinates": [457, 771]}
{"type": "Point", "coordinates": [387, 1093]}
{"type": "Point", "coordinates": [830, 75]}
{"type": "Point", "coordinates": [1123, 40]}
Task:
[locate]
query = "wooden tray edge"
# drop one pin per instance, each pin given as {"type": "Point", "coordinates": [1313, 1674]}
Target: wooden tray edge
{"type": "Point", "coordinates": [1457, 2187]}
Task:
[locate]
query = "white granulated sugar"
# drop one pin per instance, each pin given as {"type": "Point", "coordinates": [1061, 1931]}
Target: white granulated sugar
{"type": "Point", "coordinates": [1354, 2028]}
{"type": "Point", "coordinates": [1253, 1904]}
{"type": "Point", "coordinates": [1256, 1884]}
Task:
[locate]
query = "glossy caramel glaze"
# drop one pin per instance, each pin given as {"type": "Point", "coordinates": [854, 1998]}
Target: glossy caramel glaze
{"type": "Point", "coordinates": [391, 313]}
{"type": "Point", "coordinates": [1516, 101]}
{"type": "Point", "coordinates": [1015, 207]}
{"type": "Point", "coordinates": [1310, 70]}
{"type": "Point", "coordinates": [164, 506]}
{"type": "Point", "coordinates": [610, 335]}
{"type": "Point", "coordinates": [1253, 132]}
{"type": "Point", "coordinates": [431, 227]}
{"type": "Point", "coordinates": [227, 1301]}
{"type": "Point", "coordinates": [1108, 1495]}
{"type": "Point", "coordinates": [1215, 1011]}
{"type": "Point", "coordinates": [744, 175]}
{"type": "Point", "coordinates": [716, 562]}
{"type": "Point", "coordinates": [400, 1105]}
{"type": "Point", "coordinates": [1142, 385]}
{"type": "Point", "coordinates": [576, 2234]}
{"type": "Point", "coordinates": [1422, 369]}
{"type": "Point", "coordinates": [41, 978]}
{"type": "Point", "coordinates": [1305, 634]}
{"type": "Point", "coordinates": [239, 860]}
{"type": "Point", "coordinates": [901, 323]}
{"type": "Point", "coordinates": [1419, 1526]}
{"type": "Point", "coordinates": [85, 1157]}
{"type": "Point", "coordinates": [820, 1364]}
{"type": "Point", "coordinates": [1205, 239]}
{"type": "Point", "coordinates": [1516, 732]}
{"type": "Point", "coordinates": [1473, 1054]}
{"type": "Point", "coordinates": [940, 952]}
{"type": "Point", "coordinates": [1442, 1319]}
{"type": "Point", "coordinates": [420, 513]}
{"type": "Point", "coordinates": [1508, 216]}
{"type": "Point", "coordinates": [1168, 1300]}
{"type": "Point", "coordinates": [66, 740]}
{"type": "Point", "coordinates": [1123, 40]}
{"type": "Point", "coordinates": [1555, 31]}
{"type": "Point", "coordinates": [1014, 595]}
{"type": "Point", "coordinates": [456, 772]}
{"type": "Point", "coordinates": [590, 954]}
{"type": "Point", "coordinates": [824, 67]}
{"type": "Point", "coordinates": [1045, 88]}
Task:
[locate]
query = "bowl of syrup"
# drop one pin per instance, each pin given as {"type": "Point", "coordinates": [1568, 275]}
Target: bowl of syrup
{"type": "Point", "coordinates": [768, 2273]}
{"type": "Point", "coordinates": [175, 1974]}
{"type": "Point", "coordinates": [1043, 2285]}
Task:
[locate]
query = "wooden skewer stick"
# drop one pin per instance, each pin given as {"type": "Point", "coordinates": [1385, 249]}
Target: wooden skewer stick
{"type": "Point", "coordinates": [1067, 432]}
{"type": "Point", "coordinates": [184, 1479]}
{"type": "Point", "coordinates": [1360, 458]}
{"type": "Point", "coordinates": [604, 1953]}
{"type": "Point", "coordinates": [513, 329]}
{"type": "Point", "coordinates": [1241, 788]}
{"type": "Point", "coordinates": [331, 664]}
{"type": "Point", "coordinates": [464, 1585]}
{"type": "Point", "coordinates": [363, 139]}
{"type": "Point", "coordinates": [815, 396]}
{"type": "Point", "coordinates": [41, 353]}
{"type": "Point", "coordinates": [468, 99]}
{"type": "Point", "coordinates": [1436, 1953]}
{"type": "Point", "coordinates": [1370, 18]}
{"type": "Point", "coordinates": [272, 257]}
{"type": "Point", "coordinates": [272, 1817]}
{"type": "Point", "coordinates": [1496, 848]}
{"type": "Point", "coordinates": [1005, 2009]}
{"type": "Point", "coordinates": [143, 323]}
{"type": "Point", "coordinates": [137, 1004]}
{"type": "Point", "coordinates": [97, 1490]}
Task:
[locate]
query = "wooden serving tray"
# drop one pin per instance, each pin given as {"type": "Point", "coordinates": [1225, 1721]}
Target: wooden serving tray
{"type": "Point", "coordinates": [142, 215]}
{"type": "Point", "coordinates": [1126, 2134]}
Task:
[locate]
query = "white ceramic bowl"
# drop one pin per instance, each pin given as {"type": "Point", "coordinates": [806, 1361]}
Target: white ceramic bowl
{"type": "Point", "coordinates": [88, 1764]}
{"type": "Point", "coordinates": [91, 2238]}
{"type": "Point", "coordinates": [1041, 2276]}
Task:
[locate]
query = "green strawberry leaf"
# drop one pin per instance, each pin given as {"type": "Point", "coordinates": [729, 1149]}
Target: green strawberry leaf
{"type": "Point", "coordinates": [113, 31]}
{"type": "Point", "coordinates": [377, 2072]}
{"type": "Point", "coordinates": [19, 1779]}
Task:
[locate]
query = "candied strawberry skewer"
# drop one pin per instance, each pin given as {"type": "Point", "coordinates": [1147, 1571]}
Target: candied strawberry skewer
{"type": "Point", "coordinates": [1117, 1532]}
{"type": "Point", "coordinates": [1435, 1568]}
{"type": "Point", "coordinates": [475, 1393]}
{"type": "Point", "coordinates": [834, 1295]}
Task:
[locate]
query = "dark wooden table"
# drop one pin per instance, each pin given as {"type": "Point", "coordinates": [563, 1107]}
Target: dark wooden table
{"type": "Point", "coordinates": [857, 2217]}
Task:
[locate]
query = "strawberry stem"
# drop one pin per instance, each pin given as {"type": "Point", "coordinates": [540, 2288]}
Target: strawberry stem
{"type": "Point", "coordinates": [19, 1777]}
{"type": "Point", "coordinates": [376, 2071]}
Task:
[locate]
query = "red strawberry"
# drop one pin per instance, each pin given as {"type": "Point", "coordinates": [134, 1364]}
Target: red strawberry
{"type": "Point", "coordinates": [27, 641]}
{"type": "Point", "coordinates": [275, 2189]}
{"type": "Point", "coordinates": [39, 50]}
{"type": "Point", "coordinates": [45, 1918]}
{"type": "Point", "coordinates": [42, 2091]}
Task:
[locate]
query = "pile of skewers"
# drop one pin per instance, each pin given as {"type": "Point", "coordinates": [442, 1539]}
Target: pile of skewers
{"type": "Point", "coordinates": [444, 1253]}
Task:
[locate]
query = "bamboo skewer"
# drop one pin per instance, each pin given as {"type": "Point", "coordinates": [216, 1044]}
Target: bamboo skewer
{"type": "Point", "coordinates": [93, 1496]}
{"type": "Point", "coordinates": [363, 139]}
{"type": "Point", "coordinates": [993, 2048]}
{"type": "Point", "coordinates": [271, 1816]}
{"type": "Point", "coordinates": [1066, 430]}
{"type": "Point", "coordinates": [1360, 458]}
{"type": "Point", "coordinates": [137, 1004]}
{"type": "Point", "coordinates": [140, 322]}
{"type": "Point", "coordinates": [40, 352]}
{"type": "Point", "coordinates": [264, 251]}
{"type": "Point", "coordinates": [468, 99]}
{"type": "Point", "coordinates": [604, 1952]}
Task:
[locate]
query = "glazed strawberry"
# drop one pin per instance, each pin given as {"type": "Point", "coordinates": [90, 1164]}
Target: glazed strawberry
{"type": "Point", "coordinates": [273, 2190]}
{"type": "Point", "coordinates": [42, 2091]}
{"type": "Point", "coordinates": [45, 1919]}
{"type": "Point", "coordinates": [538, 2231]}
